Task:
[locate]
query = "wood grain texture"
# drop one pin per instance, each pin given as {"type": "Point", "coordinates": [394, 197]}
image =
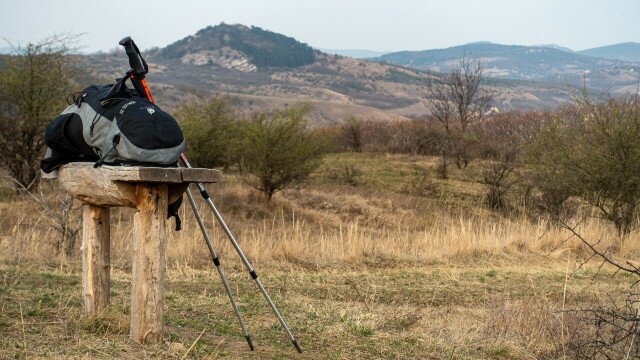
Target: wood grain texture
{"type": "Point", "coordinates": [96, 263]}
{"type": "Point", "coordinates": [95, 187]}
{"type": "Point", "coordinates": [147, 277]}
{"type": "Point", "coordinates": [115, 185]}
{"type": "Point", "coordinates": [201, 175]}
{"type": "Point", "coordinates": [140, 173]}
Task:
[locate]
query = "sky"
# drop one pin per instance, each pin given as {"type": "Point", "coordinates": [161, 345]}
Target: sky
{"type": "Point", "coordinates": [332, 24]}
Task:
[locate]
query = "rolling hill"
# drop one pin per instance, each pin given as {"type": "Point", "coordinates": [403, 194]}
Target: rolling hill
{"type": "Point", "coordinates": [263, 70]}
{"type": "Point", "coordinates": [355, 53]}
{"type": "Point", "coordinates": [239, 47]}
{"type": "Point", "coordinates": [628, 51]}
{"type": "Point", "coordinates": [549, 63]}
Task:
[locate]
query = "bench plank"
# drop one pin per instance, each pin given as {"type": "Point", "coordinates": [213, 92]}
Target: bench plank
{"type": "Point", "coordinates": [115, 185]}
{"type": "Point", "coordinates": [201, 175]}
{"type": "Point", "coordinates": [138, 173]}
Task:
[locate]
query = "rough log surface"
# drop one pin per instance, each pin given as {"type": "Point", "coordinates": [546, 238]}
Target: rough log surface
{"type": "Point", "coordinates": [115, 185]}
{"type": "Point", "coordinates": [95, 187]}
{"type": "Point", "coordinates": [141, 173]}
{"type": "Point", "coordinates": [96, 264]}
{"type": "Point", "coordinates": [147, 275]}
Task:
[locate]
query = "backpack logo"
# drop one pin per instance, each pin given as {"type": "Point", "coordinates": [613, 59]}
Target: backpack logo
{"type": "Point", "coordinates": [150, 110]}
{"type": "Point", "coordinates": [125, 106]}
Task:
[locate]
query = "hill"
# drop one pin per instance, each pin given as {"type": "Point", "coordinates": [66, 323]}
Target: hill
{"type": "Point", "coordinates": [555, 46]}
{"type": "Point", "coordinates": [355, 53]}
{"type": "Point", "coordinates": [264, 70]}
{"type": "Point", "coordinates": [629, 51]}
{"type": "Point", "coordinates": [239, 47]}
{"type": "Point", "coordinates": [549, 63]}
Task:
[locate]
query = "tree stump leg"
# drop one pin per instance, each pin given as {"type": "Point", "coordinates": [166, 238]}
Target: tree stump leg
{"type": "Point", "coordinates": [147, 278]}
{"type": "Point", "coordinates": [96, 264]}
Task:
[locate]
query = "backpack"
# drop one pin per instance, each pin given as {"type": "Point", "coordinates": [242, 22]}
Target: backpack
{"type": "Point", "coordinates": [112, 124]}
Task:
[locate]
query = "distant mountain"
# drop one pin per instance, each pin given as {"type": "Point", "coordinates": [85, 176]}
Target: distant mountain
{"type": "Point", "coordinates": [555, 46]}
{"type": "Point", "coordinates": [355, 53]}
{"type": "Point", "coordinates": [628, 51]}
{"type": "Point", "coordinates": [239, 47]}
{"type": "Point", "coordinates": [539, 63]}
{"type": "Point", "coordinates": [263, 70]}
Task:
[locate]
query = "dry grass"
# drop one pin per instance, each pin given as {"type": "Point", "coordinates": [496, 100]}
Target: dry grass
{"type": "Point", "coordinates": [364, 272]}
{"type": "Point", "coordinates": [318, 228]}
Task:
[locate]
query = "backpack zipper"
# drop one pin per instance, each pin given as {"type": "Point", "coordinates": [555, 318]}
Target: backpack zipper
{"type": "Point", "coordinates": [115, 141]}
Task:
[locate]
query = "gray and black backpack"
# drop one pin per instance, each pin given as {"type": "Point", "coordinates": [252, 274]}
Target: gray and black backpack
{"type": "Point", "coordinates": [111, 124]}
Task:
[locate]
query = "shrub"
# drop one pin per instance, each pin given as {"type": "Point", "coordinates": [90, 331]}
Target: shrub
{"type": "Point", "coordinates": [209, 127]}
{"type": "Point", "coordinates": [592, 151]}
{"type": "Point", "coordinates": [278, 150]}
{"type": "Point", "coordinates": [34, 83]}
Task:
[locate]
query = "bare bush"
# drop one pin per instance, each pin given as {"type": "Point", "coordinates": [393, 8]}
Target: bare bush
{"type": "Point", "coordinates": [34, 82]}
{"type": "Point", "coordinates": [420, 183]}
{"type": "Point", "coordinates": [457, 100]}
{"type": "Point", "coordinates": [614, 330]}
{"type": "Point", "coordinates": [498, 177]}
{"type": "Point", "coordinates": [352, 133]}
{"type": "Point", "coordinates": [351, 175]}
{"type": "Point", "coordinates": [209, 127]}
{"type": "Point", "coordinates": [503, 137]}
{"type": "Point", "coordinates": [592, 151]}
{"type": "Point", "coordinates": [609, 330]}
{"type": "Point", "coordinates": [60, 213]}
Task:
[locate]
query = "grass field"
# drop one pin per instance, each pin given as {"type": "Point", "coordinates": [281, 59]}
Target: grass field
{"type": "Point", "coordinates": [489, 308]}
{"type": "Point", "coordinates": [371, 271]}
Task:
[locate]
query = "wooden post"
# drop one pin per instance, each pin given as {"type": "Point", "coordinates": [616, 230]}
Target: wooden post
{"type": "Point", "coordinates": [147, 275]}
{"type": "Point", "coordinates": [146, 189]}
{"type": "Point", "coordinates": [96, 264]}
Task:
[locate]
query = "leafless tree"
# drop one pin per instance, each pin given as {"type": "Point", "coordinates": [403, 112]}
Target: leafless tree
{"type": "Point", "coordinates": [457, 100]}
{"type": "Point", "coordinates": [498, 178]}
{"type": "Point", "coordinates": [59, 210]}
{"type": "Point", "coordinates": [610, 330]}
{"type": "Point", "coordinates": [34, 82]}
{"type": "Point", "coordinates": [352, 132]}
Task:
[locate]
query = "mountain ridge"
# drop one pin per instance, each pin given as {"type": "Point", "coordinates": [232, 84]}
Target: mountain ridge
{"type": "Point", "coordinates": [537, 63]}
{"type": "Point", "coordinates": [238, 46]}
{"type": "Point", "coordinates": [264, 70]}
{"type": "Point", "coordinates": [626, 51]}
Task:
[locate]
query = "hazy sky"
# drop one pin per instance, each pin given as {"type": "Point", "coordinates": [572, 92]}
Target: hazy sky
{"type": "Point", "coordinates": [357, 24]}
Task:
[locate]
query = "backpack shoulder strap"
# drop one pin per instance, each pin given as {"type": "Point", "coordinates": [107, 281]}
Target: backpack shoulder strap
{"type": "Point", "coordinates": [118, 91]}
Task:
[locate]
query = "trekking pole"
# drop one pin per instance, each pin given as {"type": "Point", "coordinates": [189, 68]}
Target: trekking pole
{"type": "Point", "coordinates": [137, 74]}
{"type": "Point", "coordinates": [216, 262]}
{"type": "Point", "coordinates": [244, 259]}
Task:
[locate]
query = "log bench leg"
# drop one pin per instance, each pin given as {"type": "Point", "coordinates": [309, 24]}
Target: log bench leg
{"type": "Point", "coordinates": [147, 278]}
{"type": "Point", "coordinates": [96, 263]}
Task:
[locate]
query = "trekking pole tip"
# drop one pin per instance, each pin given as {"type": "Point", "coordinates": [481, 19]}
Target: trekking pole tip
{"type": "Point", "coordinates": [249, 342]}
{"type": "Point", "coordinates": [295, 343]}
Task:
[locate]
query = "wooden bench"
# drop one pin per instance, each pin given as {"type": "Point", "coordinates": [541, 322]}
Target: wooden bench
{"type": "Point", "coordinates": [148, 190]}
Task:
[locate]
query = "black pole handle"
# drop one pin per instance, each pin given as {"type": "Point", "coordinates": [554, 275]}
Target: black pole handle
{"type": "Point", "coordinates": [137, 63]}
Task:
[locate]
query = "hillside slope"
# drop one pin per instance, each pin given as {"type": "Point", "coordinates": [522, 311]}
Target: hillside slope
{"type": "Point", "coordinates": [239, 47]}
{"type": "Point", "coordinates": [539, 63]}
{"type": "Point", "coordinates": [628, 51]}
{"type": "Point", "coordinates": [264, 70]}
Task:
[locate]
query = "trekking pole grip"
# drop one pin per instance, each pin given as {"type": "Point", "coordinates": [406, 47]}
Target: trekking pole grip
{"type": "Point", "coordinates": [136, 61]}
